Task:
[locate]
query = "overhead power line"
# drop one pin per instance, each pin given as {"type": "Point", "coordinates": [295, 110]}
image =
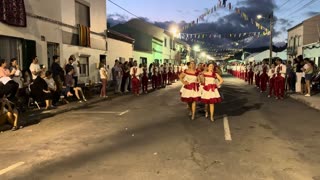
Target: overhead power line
{"type": "Point", "coordinates": [283, 4]}
{"type": "Point", "coordinates": [124, 9]}
{"type": "Point", "coordinates": [306, 5]}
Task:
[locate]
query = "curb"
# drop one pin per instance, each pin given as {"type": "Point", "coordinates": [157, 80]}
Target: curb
{"type": "Point", "coordinates": [308, 103]}
{"type": "Point", "coordinates": [36, 116]}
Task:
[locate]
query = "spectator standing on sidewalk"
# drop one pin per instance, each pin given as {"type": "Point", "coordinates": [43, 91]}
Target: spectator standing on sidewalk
{"type": "Point", "coordinates": [290, 85]}
{"type": "Point", "coordinates": [299, 80]}
{"type": "Point", "coordinates": [104, 79]}
{"type": "Point", "coordinates": [308, 72]}
{"type": "Point", "coordinates": [68, 67]}
{"type": "Point", "coordinates": [117, 76]}
{"type": "Point", "coordinates": [35, 68]}
{"type": "Point", "coordinates": [126, 77]}
{"type": "Point", "coordinates": [76, 67]}
{"type": "Point", "coordinates": [57, 73]}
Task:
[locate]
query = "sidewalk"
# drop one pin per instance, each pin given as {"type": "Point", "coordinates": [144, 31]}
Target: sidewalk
{"type": "Point", "coordinates": [313, 101]}
{"type": "Point", "coordinates": [35, 116]}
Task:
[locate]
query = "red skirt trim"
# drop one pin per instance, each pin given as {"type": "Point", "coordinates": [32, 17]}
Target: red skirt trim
{"type": "Point", "coordinates": [190, 100]}
{"type": "Point", "coordinates": [211, 101]}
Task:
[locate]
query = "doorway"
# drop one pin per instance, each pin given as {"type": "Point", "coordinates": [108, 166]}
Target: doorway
{"type": "Point", "coordinates": [53, 49]}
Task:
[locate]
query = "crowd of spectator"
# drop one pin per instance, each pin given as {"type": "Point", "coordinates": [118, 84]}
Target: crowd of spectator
{"type": "Point", "coordinates": [37, 84]}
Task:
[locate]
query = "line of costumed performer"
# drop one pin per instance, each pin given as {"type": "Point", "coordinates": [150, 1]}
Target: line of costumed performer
{"type": "Point", "coordinates": [210, 94]}
{"type": "Point", "coordinates": [135, 73]}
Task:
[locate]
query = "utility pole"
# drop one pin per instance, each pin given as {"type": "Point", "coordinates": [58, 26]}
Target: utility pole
{"type": "Point", "coordinates": [271, 36]}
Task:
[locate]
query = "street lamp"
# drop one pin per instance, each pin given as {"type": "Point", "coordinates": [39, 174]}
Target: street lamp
{"type": "Point", "coordinates": [203, 55]}
{"type": "Point", "coordinates": [271, 33]}
{"type": "Point", "coordinates": [196, 48]}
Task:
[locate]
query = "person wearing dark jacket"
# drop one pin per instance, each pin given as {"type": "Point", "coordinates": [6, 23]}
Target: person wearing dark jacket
{"type": "Point", "coordinates": [40, 92]}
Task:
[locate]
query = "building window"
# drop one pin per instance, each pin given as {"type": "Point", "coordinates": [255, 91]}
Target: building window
{"type": "Point", "coordinates": [82, 14]}
{"type": "Point", "coordinates": [143, 60]}
{"type": "Point", "coordinates": [84, 66]}
{"type": "Point", "coordinates": [165, 42]}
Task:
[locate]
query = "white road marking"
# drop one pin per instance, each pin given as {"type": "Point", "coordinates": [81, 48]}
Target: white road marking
{"type": "Point", "coordinates": [95, 112]}
{"type": "Point", "coordinates": [12, 167]}
{"type": "Point", "coordinates": [124, 112]}
{"type": "Point", "coordinates": [227, 133]}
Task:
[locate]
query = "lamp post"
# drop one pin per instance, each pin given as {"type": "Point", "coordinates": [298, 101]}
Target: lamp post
{"type": "Point", "coordinates": [174, 30]}
{"type": "Point", "coordinates": [271, 34]}
{"type": "Point", "coordinates": [196, 48]}
{"type": "Point", "coordinates": [204, 55]}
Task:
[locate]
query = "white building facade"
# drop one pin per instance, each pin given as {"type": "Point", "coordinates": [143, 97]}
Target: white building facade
{"type": "Point", "coordinates": [52, 28]}
{"type": "Point", "coordinates": [120, 47]}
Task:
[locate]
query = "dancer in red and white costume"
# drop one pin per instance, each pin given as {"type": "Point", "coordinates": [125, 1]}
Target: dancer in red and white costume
{"type": "Point", "coordinates": [264, 76]}
{"type": "Point", "coordinates": [154, 77]}
{"type": "Point", "coordinates": [145, 79]}
{"type": "Point", "coordinates": [210, 94]}
{"type": "Point", "coordinates": [135, 73]}
{"type": "Point", "coordinates": [250, 68]}
{"type": "Point", "coordinates": [279, 82]}
{"type": "Point", "coordinates": [165, 75]}
{"type": "Point", "coordinates": [190, 90]}
{"type": "Point", "coordinates": [272, 76]}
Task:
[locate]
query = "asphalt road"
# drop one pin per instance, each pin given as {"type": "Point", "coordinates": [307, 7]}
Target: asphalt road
{"type": "Point", "coordinates": [152, 137]}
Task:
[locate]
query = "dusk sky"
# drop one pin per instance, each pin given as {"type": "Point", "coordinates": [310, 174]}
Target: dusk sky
{"type": "Point", "coordinates": [289, 13]}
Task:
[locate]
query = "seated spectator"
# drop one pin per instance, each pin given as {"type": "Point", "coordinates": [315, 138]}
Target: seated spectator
{"type": "Point", "coordinates": [69, 81]}
{"type": "Point", "coordinates": [16, 72]}
{"type": "Point", "coordinates": [40, 92]}
{"type": "Point", "coordinates": [8, 114]}
{"type": "Point", "coordinates": [4, 71]}
{"type": "Point", "coordinates": [8, 87]}
{"type": "Point", "coordinates": [26, 78]}
{"type": "Point", "coordinates": [52, 87]}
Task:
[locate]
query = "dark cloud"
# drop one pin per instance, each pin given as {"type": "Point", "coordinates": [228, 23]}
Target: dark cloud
{"type": "Point", "coordinates": [312, 13]}
{"type": "Point", "coordinates": [232, 23]}
{"type": "Point", "coordinates": [114, 19]}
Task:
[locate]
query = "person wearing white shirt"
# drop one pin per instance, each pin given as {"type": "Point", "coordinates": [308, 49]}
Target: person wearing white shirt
{"type": "Point", "coordinates": [263, 76]}
{"type": "Point", "coordinates": [281, 71]}
{"type": "Point", "coordinates": [76, 67]}
{"type": "Point", "coordinates": [104, 79]}
{"type": "Point", "coordinates": [135, 73]}
{"type": "Point", "coordinates": [250, 73]}
{"type": "Point", "coordinates": [144, 79]}
{"type": "Point", "coordinates": [17, 74]}
{"type": "Point", "coordinates": [35, 68]}
{"type": "Point", "coordinates": [257, 75]}
{"type": "Point", "coordinates": [154, 70]}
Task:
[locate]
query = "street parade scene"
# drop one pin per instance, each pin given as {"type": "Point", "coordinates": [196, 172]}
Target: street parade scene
{"type": "Point", "coordinates": [142, 90]}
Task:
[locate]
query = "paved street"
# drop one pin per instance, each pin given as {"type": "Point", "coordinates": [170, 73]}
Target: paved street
{"type": "Point", "coordinates": [151, 137]}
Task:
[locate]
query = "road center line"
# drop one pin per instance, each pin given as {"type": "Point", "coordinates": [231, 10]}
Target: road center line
{"type": "Point", "coordinates": [12, 167]}
{"type": "Point", "coordinates": [95, 112]}
{"type": "Point", "coordinates": [227, 133]}
{"type": "Point", "coordinates": [124, 112]}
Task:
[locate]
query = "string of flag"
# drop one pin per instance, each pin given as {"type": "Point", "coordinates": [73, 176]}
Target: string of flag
{"type": "Point", "coordinates": [187, 36]}
{"type": "Point", "coordinates": [223, 4]}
